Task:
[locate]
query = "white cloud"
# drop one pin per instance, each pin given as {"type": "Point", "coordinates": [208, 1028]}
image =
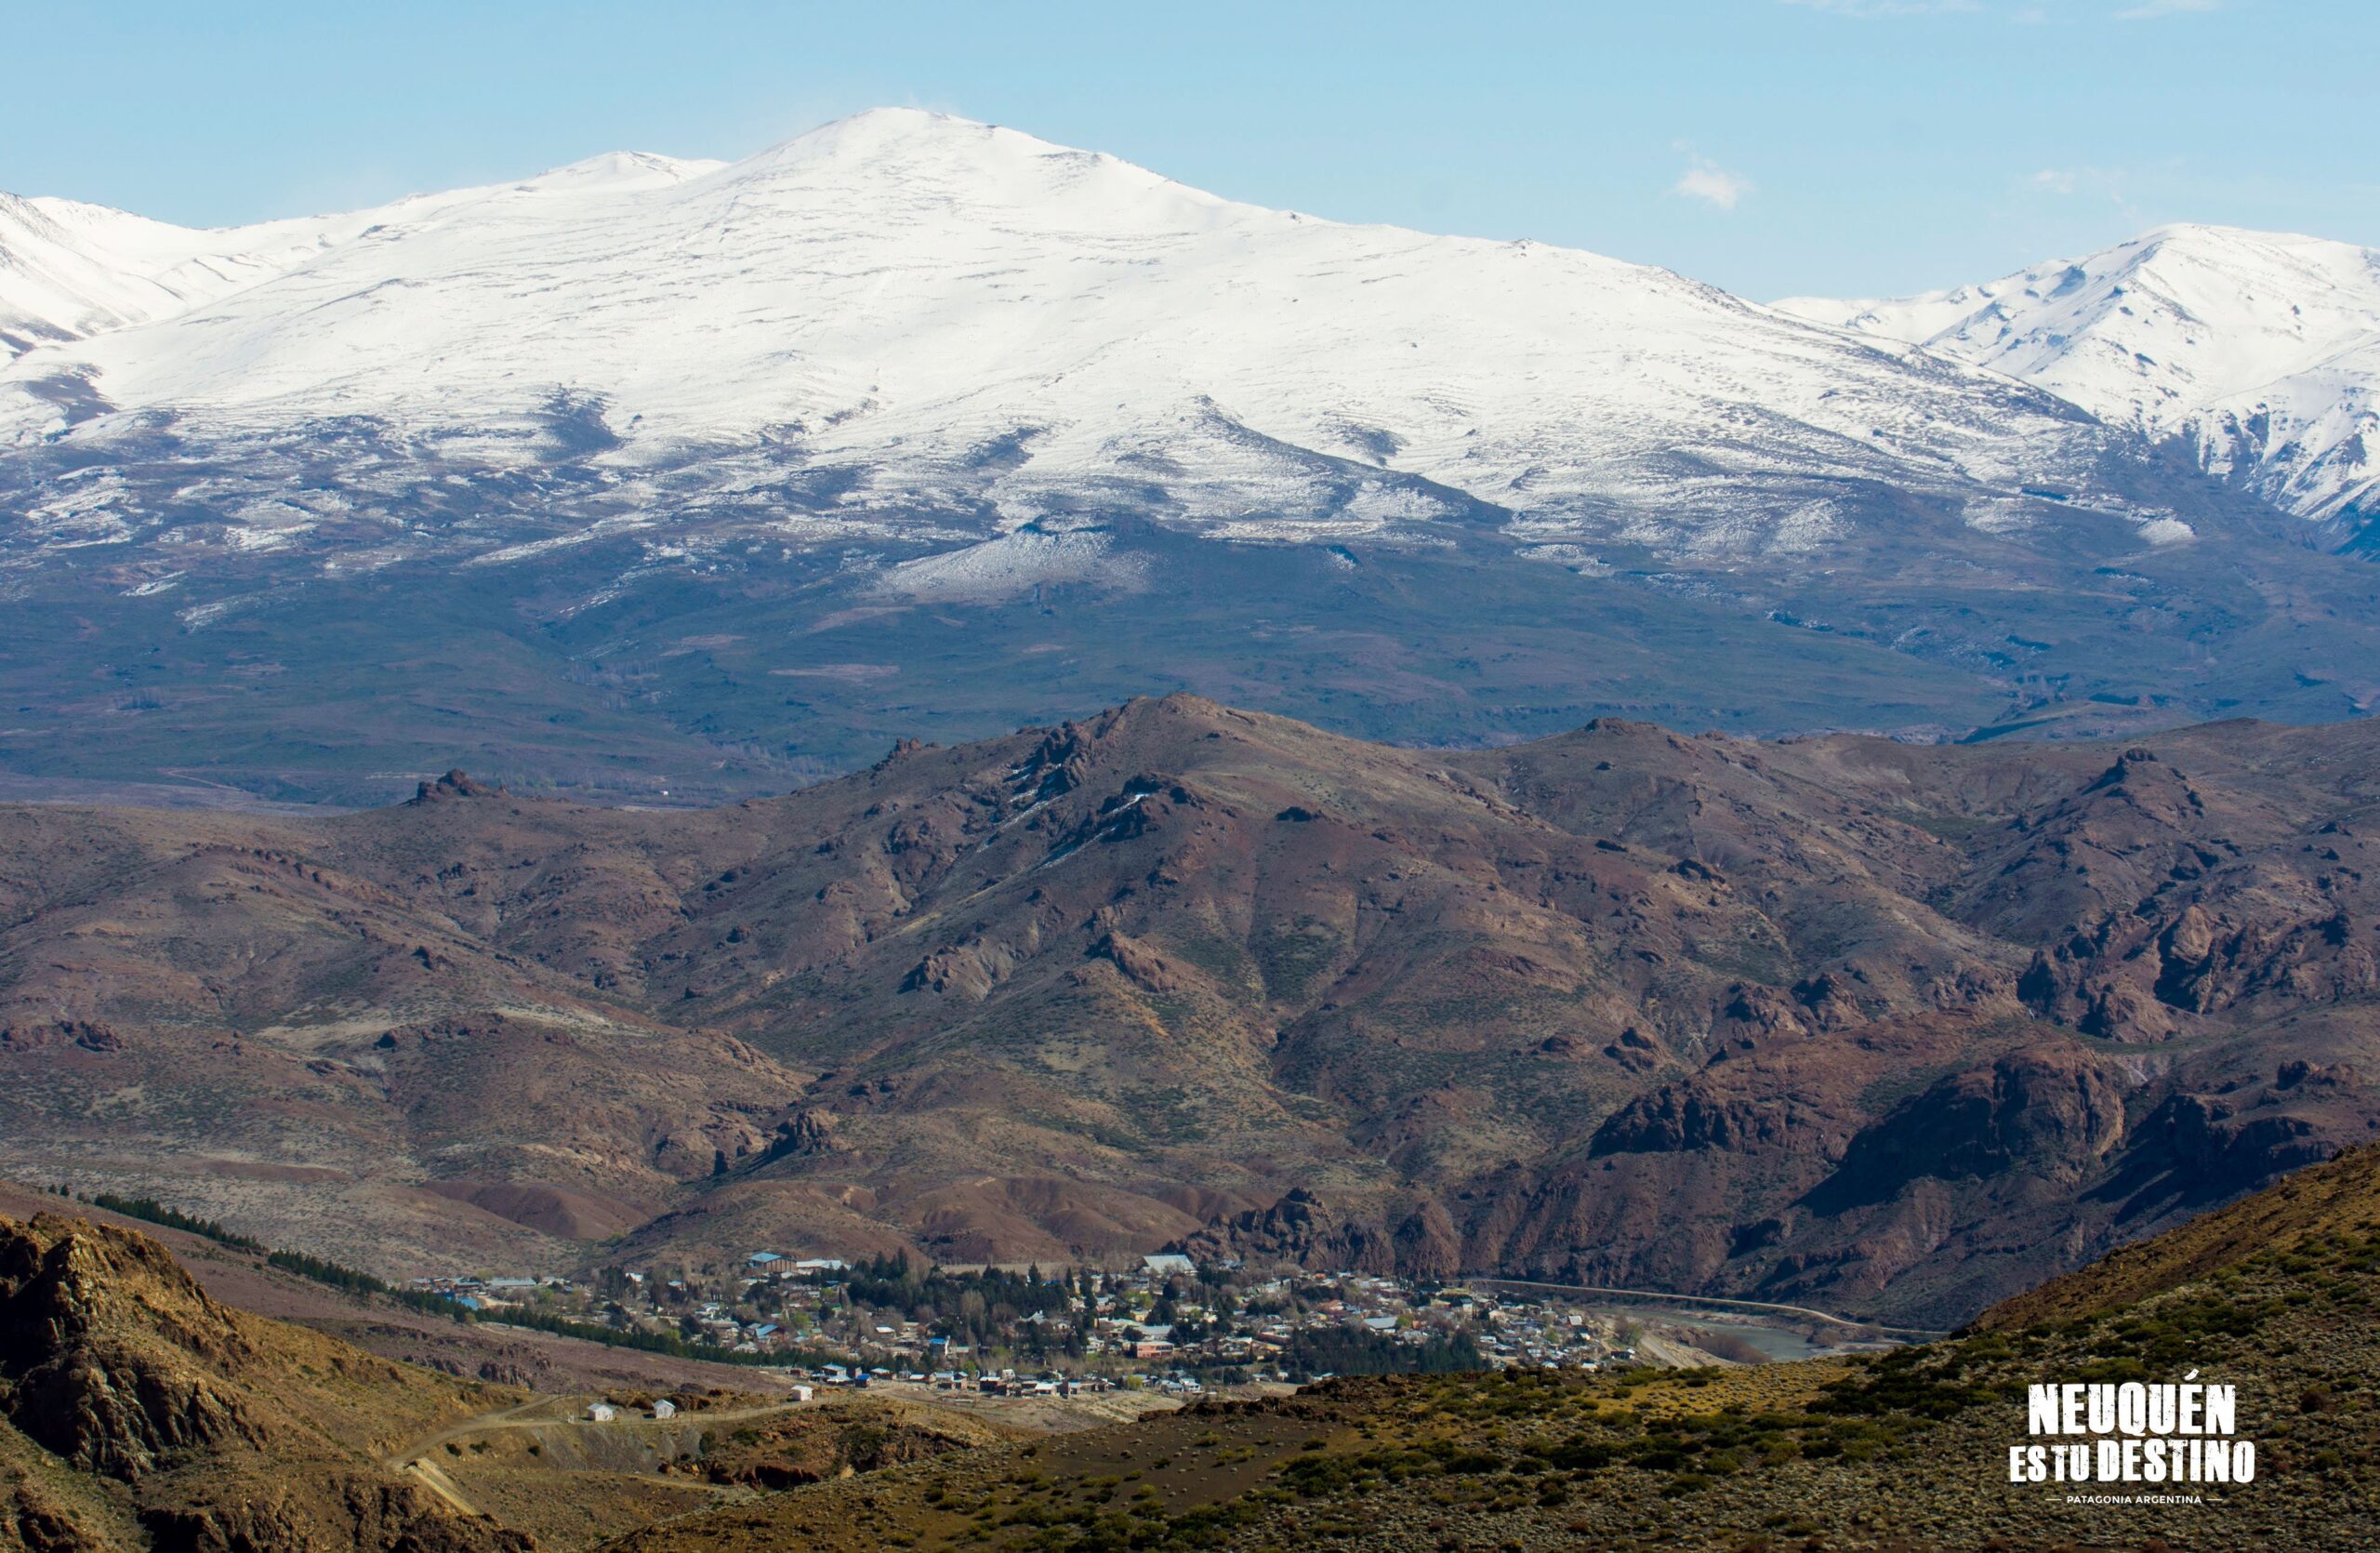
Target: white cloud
{"type": "Point", "coordinates": [1705, 179]}
{"type": "Point", "coordinates": [2149, 10]}
{"type": "Point", "coordinates": [2112, 185]}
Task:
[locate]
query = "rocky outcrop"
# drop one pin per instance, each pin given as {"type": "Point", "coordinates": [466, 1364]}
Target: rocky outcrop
{"type": "Point", "coordinates": [2049, 1112]}
{"type": "Point", "coordinates": [1420, 1241]}
{"type": "Point", "coordinates": [32, 1035]}
{"type": "Point", "coordinates": [456, 784]}
{"type": "Point", "coordinates": [1694, 1114]}
{"type": "Point", "coordinates": [803, 1134]}
{"type": "Point", "coordinates": [2156, 970]}
{"type": "Point", "coordinates": [76, 1303]}
{"type": "Point", "coordinates": [1141, 965]}
{"type": "Point", "coordinates": [956, 972]}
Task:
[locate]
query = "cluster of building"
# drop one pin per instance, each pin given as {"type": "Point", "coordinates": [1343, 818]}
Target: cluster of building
{"type": "Point", "coordinates": [1168, 1322]}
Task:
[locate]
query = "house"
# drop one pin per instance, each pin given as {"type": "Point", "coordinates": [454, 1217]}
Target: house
{"type": "Point", "coordinates": [762, 1259]}
{"type": "Point", "coordinates": [802, 1393]}
{"type": "Point", "coordinates": [664, 1408]}
{"type": "Point", "coordinates": [601, 1412]}
{"type": "Point", "coordinates": [1165, 1264]}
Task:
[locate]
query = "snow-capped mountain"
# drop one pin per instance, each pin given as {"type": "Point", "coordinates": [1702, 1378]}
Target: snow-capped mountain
{"type": "Point", "coordinates": [905, 316]}
{"type": "Point", "coordinates": [656, 476]}
{"type": "Point", "coordinates": [2261, 348]}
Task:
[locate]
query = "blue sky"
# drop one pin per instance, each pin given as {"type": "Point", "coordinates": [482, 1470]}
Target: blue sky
{"type": "Point", "coordinates": [1771, 146]}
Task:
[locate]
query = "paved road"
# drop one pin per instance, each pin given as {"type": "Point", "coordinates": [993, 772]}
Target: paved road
{"type": "Point", "coordinates": [1919, 1334]}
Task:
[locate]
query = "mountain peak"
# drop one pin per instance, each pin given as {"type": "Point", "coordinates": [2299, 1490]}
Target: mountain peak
{"type": "Point", "coordinates": [621, 169]}
{"type": "Point", "coordinates": [878, 134]}
{"type": "Point", "coordinates": [906, 154]}
{"type": "Point", "coordinates": [2259, 350]}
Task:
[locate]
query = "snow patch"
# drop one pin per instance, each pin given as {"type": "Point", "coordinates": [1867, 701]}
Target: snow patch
{"type": "Point", "coordinates": [1013, 564]}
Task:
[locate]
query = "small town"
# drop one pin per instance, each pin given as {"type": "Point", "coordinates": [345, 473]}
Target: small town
{"type": "Point", "coordinates": [1169, 1325]}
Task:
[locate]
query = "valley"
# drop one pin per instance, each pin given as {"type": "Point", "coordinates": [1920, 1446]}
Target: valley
{"type": "Point", "coordinates": [1907, 1450]}
{"type": "Point", "coordinates": [2262, 1302]}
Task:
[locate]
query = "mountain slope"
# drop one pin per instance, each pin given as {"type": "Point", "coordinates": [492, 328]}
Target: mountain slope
{"type": "Point", "coordinates": [197, 1424]}
{"type": "Point", "coordinates": [2261, 348]}
{"type": "Point", "coordinates": [1833, 1021]}
{"type": "Point", "coordinates": [2334, 1199]}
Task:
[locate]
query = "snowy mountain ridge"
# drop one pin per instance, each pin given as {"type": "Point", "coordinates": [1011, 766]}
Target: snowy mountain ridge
{"type": "Point", "coordinates": [69, 270]}
{"type": "Point", "coordinates": [2261, 348]}
{"type": "Point", "coordinates": [911, 319]}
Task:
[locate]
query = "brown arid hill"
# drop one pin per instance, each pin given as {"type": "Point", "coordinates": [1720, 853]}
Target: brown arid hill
{"type": "Point", "coordinates": [1889, 1029]}
{"type": "Point", "coordinates": [1901, 1453]}
{"type": "Point", "coordinates": [136, 1411]}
